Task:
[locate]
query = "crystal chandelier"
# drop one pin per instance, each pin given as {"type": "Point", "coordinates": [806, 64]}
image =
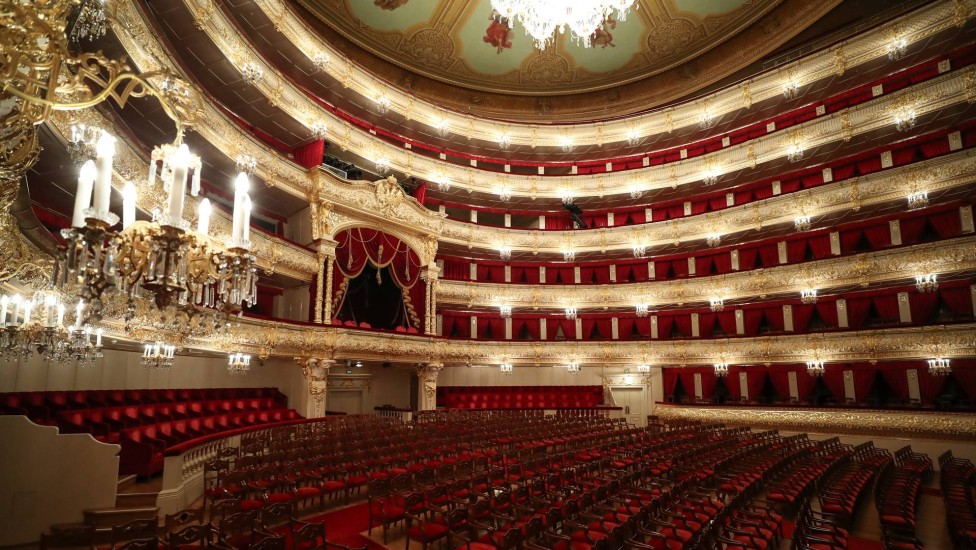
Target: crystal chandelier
{"type": "Point", "coordinates": [791, 88]}
{"type": "Point", "coordinates": [711, 173]}
{"type": "Point", "coordinates": [383, 104]}
{"type": "Point", "coordinates": [505, 194]}
{"type": "Point", "coordinates": [642, 310]}
{"type": "Point", "coordinates": [163, 260]}
{"type": "Point", "coordinates": [504, 141]}
{"type": "Point", "coordinates": [158, 355]}
{"type": "Point", "coordinates": [505, 368]}
{"type": "Point", "coordinates": [82, 347]}
{"type": "Point", "coordinates": [939, 367]}
{"type": "Point", "coordinates": [643, 369]}
{"type": "Point", "coordinates": [713, 239]}
{"type": "Point", "coordinates": [443, 182]}
{"type": "Point", "coordinates": [382, 166]}
{"type": "Point", "coordinates": [82, 141]}
{"type": "Point", "coordinates": [794, 152]}
{"type": "Point", "coordinates": [541, 19]}
{"type": "Point", "coordinates": [91, 23]}
{"type": "Point", "coordinates": [815, 368]}
{"type": "Point", "coordinates": [706, 119]}
{"type": "Point", "coordinates": [808, 296]}
{"type": "Point", "coordinates": [636, 193]}
{"type": "Point", "coordinates": [238, 363]}
{"type": "Point", "coordinates": [633, 137]}
{"type": "Point", "coordinates": [251, 72]}
{"type": "Point", "coordinates": [721, 370]}
{"type": "Point", "coordinates": [505, 253]}
{"type": "Point", "coordinates": [569, 255]}
{"type": "Point", "coordinates": [927, 283]}
{"type": "Point", "coordinates": [716, 304]}
{"type": "Point", "coordinates": [319, 129]}
{"type": "Point", "coordinates": [565, 144]}
{"type": "Point", "coordinates": [571, 313]}
{"type": "Point", "coordinates": [897, 48]}
{"type": "Point", "coordinates": [34, 325]}
{"type": "Point", "coordinates": [573, 368]}
{"type": "Point", "coordinates": [918, 200]}
{"type": "Point", "coordinates": [801, 223]}
{"type": "Point", "coordinates": [505, 311]}
{"type": "Point", "coordinates": [640, 250]}
{"type": "Point", "coordinates": [905, 120]}
{"type": "Point", "coordinates": [442, 127]}
{"type": "Point", "coordinates": [246, 163]}
{"type": "Point", "coordinates": [321, 60]}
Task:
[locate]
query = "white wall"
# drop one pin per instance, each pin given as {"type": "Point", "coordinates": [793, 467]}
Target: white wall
{"type": "Point", "coordinates": [299, 227]}
{"type": "Point", "coordinates": [391, 386]}
{"type": "Point", "coordinates": [123, 370]}
{"type": "Point", "coordinates": [524, 376]}
{"type": "Point", "coordinates": [293, 304]}
{"type": "Point", "coordinates": [39, 481]}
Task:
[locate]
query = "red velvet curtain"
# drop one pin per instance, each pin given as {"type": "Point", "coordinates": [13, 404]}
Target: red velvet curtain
{"type": "Point", "coordinates": [801, 316]}
{"type": "Point", "coordinates": [311, 154]}
{"type": "Point", "coordinates": [878, 235]}
{"type": "Point", "coordinates": [929, 386]}
{"type": "Point", "coordinates": [828, 312]}
{"type": "Point", "coordinates": [864, 374]}
{"type": "Point", "coordinates": [820, 246]}
{"type": "Point", "coordinates": [727, 320]}
{"type": "Point", "coordinates": [664, 326]}
{"type": "Point", "coordinates": [887, 307]}
{"type": "Point", "coordinates": [779, 377]}
{"type": "Point", "coordinates": [753, 318]}
{"type": "Point", "coordinates": [755, 379]}
{"type": "Point", "coordinates": [361, 245]}
{"type": "Point", "coordinates": [670, 382]}
{"type": "Point", "coordinates": [732, 382]}
{"type": "Point", "coordinates": [643, 325]}
{"type": "Point", "coordinates": [964, 371]}
{"type": "Point", "coordinates": [896, 376]}
{"type": "Point", "coordinates": [922, 305]}
{"type": "Point", "coordinates": [946, 224]}
{"type": "Point", "coordinates": [857, 311]}
{"type": "Point", "coordinates": [833, 377]}
{"type": "Point", "coordinates": [683, 321]}
{"type": "Point", "coordinates": [420, 192]}
{"type": "Point", "coordinates": [774, 316]}
{"type": "Point", "coordinates": [959, 299]}
{"type": "Point", "coordinates": [625, 328]}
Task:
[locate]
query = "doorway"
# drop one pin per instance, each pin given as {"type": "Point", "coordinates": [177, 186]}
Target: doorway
{"type": "Point", "coordinates": [633, 399]}
{"type": "Point", "coordinates": [349, 402]}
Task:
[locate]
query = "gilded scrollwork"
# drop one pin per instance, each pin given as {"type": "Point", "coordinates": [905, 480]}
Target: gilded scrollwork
{"type": "Point", "coordinates": [936, 425]}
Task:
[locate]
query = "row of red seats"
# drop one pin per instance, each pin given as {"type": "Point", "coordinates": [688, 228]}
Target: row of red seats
{"type": "Point", "coordinates": [897, 492]}
{"type": "Point", "coordinates": [530, 397]}
{"type": "Point", "coordinates": [143, 446]}
{"type": "Point", "coordinates": [103, 423]}
{"type": "Point", "coordinates": [958, 479]}
{"type": "Point", "coordinates": [841, 493]}
{"type": "Point", "coordinates": [43, 406]}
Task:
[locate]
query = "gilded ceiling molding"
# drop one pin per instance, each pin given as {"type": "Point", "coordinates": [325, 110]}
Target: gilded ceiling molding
{"type": "Point", "coordinates": [899, 264]}
{"type": "Point", "coordinates": [273, 255]}
{"type": "Point", "coordinates": [925, 97]}
{"type": "Point", "coordinates": [884, 423]}
{"type": "Point", "coordinates": [855, 51]}
{"type": "Point", "coordinates": [947, 172]}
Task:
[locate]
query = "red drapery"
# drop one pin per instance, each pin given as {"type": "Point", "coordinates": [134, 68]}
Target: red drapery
{"type": "Point", "coordinates": [833, 377]}
{"type": "Point", "coordinates": [311, 154]}
{"type": "Point", "coordinates": [864, 374]}
{"type": "Point", "coordinates": [964, 371]}
{"type": "Point", "coordinates": [361, 245]}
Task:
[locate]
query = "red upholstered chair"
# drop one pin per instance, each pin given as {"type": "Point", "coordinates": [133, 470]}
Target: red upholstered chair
{"type": "Point", "coordinates": [190, 536]}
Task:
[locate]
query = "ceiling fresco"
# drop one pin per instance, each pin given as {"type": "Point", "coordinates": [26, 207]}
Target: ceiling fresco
{"type": "Point", "coordinates": [464, 42]}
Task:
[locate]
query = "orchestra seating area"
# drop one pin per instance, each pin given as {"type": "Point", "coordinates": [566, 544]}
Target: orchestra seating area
{"type": "Point", "coordinates": [519, 397]}
{"type": "Point", "coordinates": [147, 421]}
{"type": "Point", "coordinates": [522, 479]}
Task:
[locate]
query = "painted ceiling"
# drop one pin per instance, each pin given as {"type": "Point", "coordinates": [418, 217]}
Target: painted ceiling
{"type": "Point", "coordinates": [462, 42]}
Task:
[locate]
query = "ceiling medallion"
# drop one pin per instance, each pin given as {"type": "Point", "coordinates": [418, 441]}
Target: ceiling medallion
{"type": "Point", "coordinates": [542, 18]}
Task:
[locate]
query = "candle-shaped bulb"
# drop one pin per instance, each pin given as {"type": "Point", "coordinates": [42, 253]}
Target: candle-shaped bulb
{"type": "Point", "coordinates": [79, 309]}
{"type": "Point", "coordinates": [27, 311]}
{"type": "Point", "coordinates": [98, 338]}
{"type": "Point", "coordinates": [128, 204]}
{"type": "Point", "coordinates": [105, 147]}
{"type": "Point", "coordinates": [4, 302]}
{"type": "Point", "coordinates": [242, 184]}
{"type": "Point", "coordinates": [105, 150]}
{"type": "Point", "coordinates": [246, 227]}
{"type": "Point", "coordinates": [60, 315]}
{"type": "Point", "coordinates": [83, 196]}
{"type": "Point", "coordinates": [177, 191]}
{"type": "Point", "coordinates": [203, 217]}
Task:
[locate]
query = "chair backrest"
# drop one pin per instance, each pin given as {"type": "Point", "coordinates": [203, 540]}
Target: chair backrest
{"type": "Point", "coordinates": [302, 532]}
{"type": "Point", "coordinates": [269, 543]}
{"type": "Point", "coordinates": [190, 535]}
{"type": "Point", "coordinates": [183, 517]}
{"type": "Point", "coordinates": [140, 544]}
{"type": "Point", "coordinates": [275, 514]}
{"type": "Point", "coordinates": [238, 523]}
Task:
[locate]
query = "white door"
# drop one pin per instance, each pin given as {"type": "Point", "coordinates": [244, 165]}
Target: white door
{"type": "Point", "coordinates": [349, 402]}
{"type": "Point", "coordinates": [634, 402]}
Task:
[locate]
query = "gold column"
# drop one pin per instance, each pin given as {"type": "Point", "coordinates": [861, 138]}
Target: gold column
{"type": "Point", "coordinates": [427, 399]}
{"type": "Point", "coordinates": [319, 290]}
{"type": "Point", "coordinates": [327, 314]}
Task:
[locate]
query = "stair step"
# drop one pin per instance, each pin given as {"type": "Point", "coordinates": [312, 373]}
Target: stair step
{"type": "Point", "coordinates": [135, 500]}
{"type": "Point", "coordinates": [107, 517]}
{"type": "Point", "coordinates": [125, 482]}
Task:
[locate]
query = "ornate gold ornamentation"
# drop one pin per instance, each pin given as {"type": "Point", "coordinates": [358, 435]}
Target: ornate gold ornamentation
{"type": "Point", "coordinates": [934, 425]}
